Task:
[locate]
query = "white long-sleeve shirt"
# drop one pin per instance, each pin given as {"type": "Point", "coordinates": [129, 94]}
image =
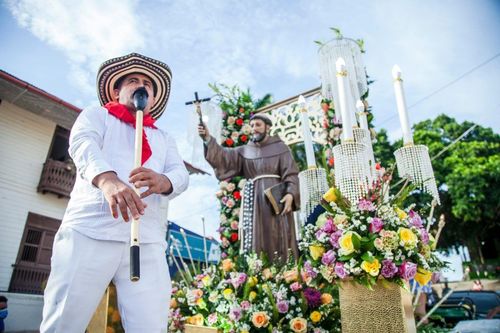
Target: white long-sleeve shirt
{"type": "Point", "coordinates": [100, 142]}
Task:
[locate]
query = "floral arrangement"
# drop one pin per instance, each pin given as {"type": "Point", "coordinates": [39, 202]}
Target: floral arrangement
{"type": "Point", "coordinates": [237, 108]}
{"type": "Point", "coordinates": [250, 295]}
{"type": "Point", "coordinates": [375, 239]}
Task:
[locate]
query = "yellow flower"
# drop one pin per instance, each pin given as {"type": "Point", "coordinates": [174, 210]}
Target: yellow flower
{"type": "Point", "coordinates": [371, 268]}
{"type": "Point", "coordinates": [206, 281]}
{"type": "Point", "coordinates": [423, 276]}
{"type": "Point", "coordinates": [316, 251]}
{"type": "Point", "coordinates": [330, 195]}
{"type": "Point", "coordinates": [195, 320]}
{"type": "Point", "coordinates": [252, 281]}
{"type": "Point", "coordinates": [326, 298]}
{"type": "Point", "coordinates": [201, 303]}
{"type": "Point", "coordinates": [298, 325]}
{"type": "Point", "coordinates": [401, 213]}
{"type": "Point", "coordinates": [227, 293]}
{"type": "Point", "coordinates": [408, 238]}
{"type": "Point", "coordinates": [252, 295]}
{"type": "Point", "coordinates": [315, 316]}
{"type": "Point", "coordinates": [346, 244]}
{"type": "Point", "coordinates": [260, 319]}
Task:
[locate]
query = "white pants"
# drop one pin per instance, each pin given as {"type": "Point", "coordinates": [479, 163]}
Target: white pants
{"type": "Point", "coordinates": [83, 267]}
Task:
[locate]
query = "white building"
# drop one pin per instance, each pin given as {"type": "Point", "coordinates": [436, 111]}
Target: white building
{"type": "Point", "coordinates": [35, 182]}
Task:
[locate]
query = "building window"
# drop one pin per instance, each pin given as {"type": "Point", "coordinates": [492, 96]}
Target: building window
{"type": "Point", "coordinates": [60, 144]}
{"type": "Point", "coordinates": [32, 266]}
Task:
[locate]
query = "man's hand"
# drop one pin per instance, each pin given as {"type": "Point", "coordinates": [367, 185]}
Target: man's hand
{"type": "Point", "coordinates": [156, 182]}
{"type": "Point", "coordinates": [203, 132]}
{"type": "Point", "coordinates": [288, 200]}
{"type": "Point", "coordinates": [119, 196]}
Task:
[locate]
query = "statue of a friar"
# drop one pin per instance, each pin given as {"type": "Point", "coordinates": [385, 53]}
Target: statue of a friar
{"type": "Point", "coordinates": [266, 161]}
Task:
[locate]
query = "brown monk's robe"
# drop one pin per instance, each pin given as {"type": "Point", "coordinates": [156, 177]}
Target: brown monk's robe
{"type": "Point", "coordinates": [271, 233]}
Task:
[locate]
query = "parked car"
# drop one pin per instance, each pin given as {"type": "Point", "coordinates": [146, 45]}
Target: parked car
{"type": "Point", "coordinates": [484, 301]}
{"type": "Point", "coordinates": [465, 305]}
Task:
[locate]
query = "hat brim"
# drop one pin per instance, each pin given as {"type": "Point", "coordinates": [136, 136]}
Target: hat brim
{"type": "Point", "coordinates": [114, 69]}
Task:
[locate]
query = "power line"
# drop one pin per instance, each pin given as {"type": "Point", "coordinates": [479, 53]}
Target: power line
{"type": "Point", "coordinates": [445, 86]}
{"type": "Point", "coordinates": [454, 142]}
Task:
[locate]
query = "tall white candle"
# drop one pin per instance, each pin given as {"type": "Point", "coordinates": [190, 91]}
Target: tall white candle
{"type": "Point", "coordinates": [204, 241]}
{"type": "Point", "coordinates": [342, 103]}
{"type": "Point", "coordinates": [363, 121]}
{"type": "Point", "coordinates": [401, 104]}
{"type": "Point", "coordinates": [306, 133]}
{"type": "Point", "coordinates": [188, 248]}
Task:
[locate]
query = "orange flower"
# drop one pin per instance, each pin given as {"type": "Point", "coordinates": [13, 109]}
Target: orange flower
{"type": "Point", "coordinates": [173, 303]}
{"type": "Point", "coordinates": [298, 325]}
{"type": "Point", "coordinates": [260, 319]}
{"type": "Point", "coordinates": [195, 320]}
{"type": "Point", "coordinates": [291, 275]}
{"type": "Point", "coordinates": [267, 274]}
{"type": "Point", "coordinates": [326, 298]}
{"type": "Point", "coordinates": [227, 265]}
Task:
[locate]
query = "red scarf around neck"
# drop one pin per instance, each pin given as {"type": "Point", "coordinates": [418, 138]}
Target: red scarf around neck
{"type": "Point", "coordinates": [121, 112]}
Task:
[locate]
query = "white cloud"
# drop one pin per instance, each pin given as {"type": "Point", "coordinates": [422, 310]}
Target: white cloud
{"type": "Point", "coordinates": [88, 32]}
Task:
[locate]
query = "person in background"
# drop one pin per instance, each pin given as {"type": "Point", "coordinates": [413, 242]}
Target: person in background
{"type": "Point", "coordinates": [3, 312]}
{"type": "Point", "coordinates": [477, 285]}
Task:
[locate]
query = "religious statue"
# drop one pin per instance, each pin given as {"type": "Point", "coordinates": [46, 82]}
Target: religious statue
{"type": "Point", "coordinates": [266, 162]}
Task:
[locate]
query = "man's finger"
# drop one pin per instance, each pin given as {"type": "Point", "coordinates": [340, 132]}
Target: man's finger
{"type": "Point", "coordinates": [113, 208]}
{"type": "Point", "coordinates": [139, 176]}
{"type": "Point", "coordinates": [132, 206]}
{"type": "Point", "coordinates": [138, 203]}
{"type": "Point", "coordinates": [123, 208]}
{"type": "Point", "coordinates": [142, 183]}
{"type": "Point", "coordinates": [146, 193]}
{"type": "Point", "coordinates": [138, 170]}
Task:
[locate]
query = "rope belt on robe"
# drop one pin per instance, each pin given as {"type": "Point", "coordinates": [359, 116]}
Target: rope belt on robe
{"type": "Point", "coordinates": [246, 213]}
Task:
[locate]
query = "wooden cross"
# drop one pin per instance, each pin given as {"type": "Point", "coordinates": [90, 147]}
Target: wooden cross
{"type": "Point", "coordinates": [197, 102]}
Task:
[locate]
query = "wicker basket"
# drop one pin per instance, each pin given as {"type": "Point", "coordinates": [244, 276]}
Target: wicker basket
{"type": "Point", "coordinates": [386, 309]}
{"type": "Point", "coordinates": [199, 329]}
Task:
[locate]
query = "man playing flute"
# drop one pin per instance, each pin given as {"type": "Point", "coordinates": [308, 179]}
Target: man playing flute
{"type": "Point", "coordinates": [91, 248]}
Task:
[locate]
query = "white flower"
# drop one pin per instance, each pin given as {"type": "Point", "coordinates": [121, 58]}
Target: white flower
{"type": "Point", "coordinates": [230, 187]}
{"type": "Point", "coordinates": [241, 184]}
{"type": "Point", "coordinates": [246, 129]}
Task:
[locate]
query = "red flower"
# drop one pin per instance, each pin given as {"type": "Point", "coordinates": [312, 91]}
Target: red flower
{"type": "Point", "coordinates": [331, 161]}
{"type": "Point", "coordinates": [243, 138]}
{"type": "Point", "coordinates": [239, 121]}
{"type": "Point", "coordinates": [377, 166]}
{"type": "Point", "coordinates": [242, 110]}
{"type": "Point", "coordinates": [237, 195]}
{"type": "Point", "coordinates": [234, 237]}
{"type": "Point", "coordinates": [229, 142]}
{"type": "Point", "coordinates": [325, 107]}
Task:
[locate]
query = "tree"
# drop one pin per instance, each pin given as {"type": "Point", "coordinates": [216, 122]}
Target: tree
{"type": "Point", "coordinates": [468, 176]}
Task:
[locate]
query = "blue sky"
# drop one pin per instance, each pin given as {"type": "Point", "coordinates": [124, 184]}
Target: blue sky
{"type": "Point", "coordinates": [266, 46]}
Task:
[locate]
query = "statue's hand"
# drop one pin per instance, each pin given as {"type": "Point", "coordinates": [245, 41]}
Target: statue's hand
{"type": "Point", "coordinates": [288, 201]}
{"type": "Point", "coordinates": [203, 132]}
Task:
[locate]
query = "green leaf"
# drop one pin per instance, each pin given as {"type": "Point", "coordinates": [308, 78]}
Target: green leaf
{"type": "Point", "coordinates": [368, 257]}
